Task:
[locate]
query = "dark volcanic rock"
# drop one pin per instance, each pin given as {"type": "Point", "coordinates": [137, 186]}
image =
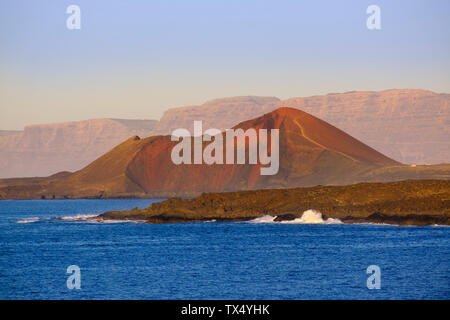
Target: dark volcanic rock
{"type": "Point", "coordinates": [412, 202]}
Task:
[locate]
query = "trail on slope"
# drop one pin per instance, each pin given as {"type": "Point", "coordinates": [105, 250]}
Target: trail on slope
{"type": "Point", "coordinates": [318, 144]}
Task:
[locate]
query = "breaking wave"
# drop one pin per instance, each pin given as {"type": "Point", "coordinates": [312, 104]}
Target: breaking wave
{"type": "Point", "coordinates": [79, 217]}
{"type": "Point", "coordinates": [308, 217]}
{"type": "Point", "coordinates": [86, 218]}
{"type": "Point", "coordinates": [28, 220]}
{"type": "Point", "coordinates": [263, 219]}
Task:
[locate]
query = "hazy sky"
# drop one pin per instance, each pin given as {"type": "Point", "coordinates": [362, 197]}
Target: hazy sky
{"type": "Point", "coordinates": [134, 59]}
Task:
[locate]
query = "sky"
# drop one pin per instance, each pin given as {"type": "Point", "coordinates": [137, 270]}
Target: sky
{"type": "Point", "coordinates": [134, 59]}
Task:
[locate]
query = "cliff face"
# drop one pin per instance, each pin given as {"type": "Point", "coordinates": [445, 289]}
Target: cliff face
{"type": "Point", "coordinates": [41, 150]}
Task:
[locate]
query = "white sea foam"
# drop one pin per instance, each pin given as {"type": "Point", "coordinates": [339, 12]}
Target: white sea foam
{"type": "Point", "coordinates": [28, 220]}
{"type": "Point", "coordinates": [308, 217]}
{"type": "Point", "coordinates": [84, 218]}
{"type": "Point", "coordinates": [79, 217]}
{"type": "Point", "coordinates": [264, 219]}
{"type": "Point", "coordinates": [313, 217]}
{"type": "Point", "coordinates": [114, 221]}
{"type": "Point", "coordinates": [93, 218]}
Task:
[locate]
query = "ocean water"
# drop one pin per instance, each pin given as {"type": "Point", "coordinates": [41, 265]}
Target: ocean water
{"type": "Point", "coordinates": [211, 260]}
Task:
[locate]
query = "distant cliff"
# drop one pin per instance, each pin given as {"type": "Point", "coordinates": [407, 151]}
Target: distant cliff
{"type": "Point", "coordinates": [42, 150]}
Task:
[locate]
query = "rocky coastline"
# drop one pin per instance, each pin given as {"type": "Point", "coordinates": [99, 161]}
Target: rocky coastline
{"type": "Point", "coordinates": [410, 202]}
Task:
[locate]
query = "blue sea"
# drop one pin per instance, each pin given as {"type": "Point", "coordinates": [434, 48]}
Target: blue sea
{"type": "Point", "coordinates": [39, 239]}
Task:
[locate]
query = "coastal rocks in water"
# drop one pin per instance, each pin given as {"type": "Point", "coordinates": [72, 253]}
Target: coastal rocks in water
{"type": "Point", "coordinates": [411, 202]}
{"type": "Point", "coordinates": [311, 152]}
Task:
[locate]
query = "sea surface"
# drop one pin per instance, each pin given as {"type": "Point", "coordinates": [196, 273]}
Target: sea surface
{"type": "Point", "coordinates": [39, 239]}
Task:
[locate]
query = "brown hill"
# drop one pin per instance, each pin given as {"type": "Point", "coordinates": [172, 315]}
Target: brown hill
{"type": "Point", "coordinates": [312, 152]}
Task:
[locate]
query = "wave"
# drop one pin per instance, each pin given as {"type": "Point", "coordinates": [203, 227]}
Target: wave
{"type": "Point", "coordinates": [79, 217]}
{"type": "Point", "coordinates": [29, 220]}
{"type": "Point", "coordinates": [86, 218]}
{"type": "Point", "coordinates": [263, 219]}
{"type": "Point", "coordinates": [308, 217]}
{"type": "Point", "coordinates": [313, 217]}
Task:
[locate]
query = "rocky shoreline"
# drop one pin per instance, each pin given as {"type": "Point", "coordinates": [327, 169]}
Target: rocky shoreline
{"type": "Point", "coordinates": [410, 202]}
